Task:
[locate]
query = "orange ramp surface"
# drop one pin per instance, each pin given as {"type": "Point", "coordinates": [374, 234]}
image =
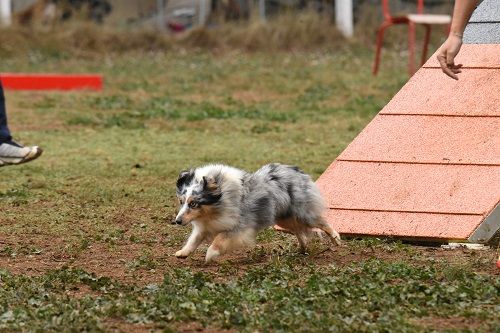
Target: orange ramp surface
{"type": "Point", "coordinates": [428, 166]}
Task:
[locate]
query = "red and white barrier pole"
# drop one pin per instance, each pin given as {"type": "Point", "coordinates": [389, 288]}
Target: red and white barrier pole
{"type": "Point", "coordinates": [344, 17]}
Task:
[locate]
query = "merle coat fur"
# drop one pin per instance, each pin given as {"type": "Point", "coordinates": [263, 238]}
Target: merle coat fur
{"type": "Point", "coordinates": [230, 206]}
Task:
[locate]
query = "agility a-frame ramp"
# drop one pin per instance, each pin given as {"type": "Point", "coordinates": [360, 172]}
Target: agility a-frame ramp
{"type": "Point", "coordinates": [428, 166]}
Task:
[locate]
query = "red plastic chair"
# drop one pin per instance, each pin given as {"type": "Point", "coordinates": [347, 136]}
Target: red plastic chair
{"type": "Point", "coordinates": [427, 20]}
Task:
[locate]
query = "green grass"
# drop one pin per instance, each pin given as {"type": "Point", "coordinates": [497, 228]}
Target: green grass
{"type": "Point", "coordinates": [283, 296]}
{"type": "Point", "coordinates": [85, 237]}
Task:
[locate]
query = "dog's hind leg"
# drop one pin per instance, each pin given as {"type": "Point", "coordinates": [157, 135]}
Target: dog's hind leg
{"type": "Point", "coordinates": [228, 241]}
{"type": "Point", "coordinates": [327, 228]}
{"type": "Point", "coordinates": [291, 225]}
{"type": "Point", "coordinates": [302, 241]}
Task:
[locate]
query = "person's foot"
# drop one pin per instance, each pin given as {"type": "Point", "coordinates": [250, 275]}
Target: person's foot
{"type": "Point", "coordinates": [12, 153]}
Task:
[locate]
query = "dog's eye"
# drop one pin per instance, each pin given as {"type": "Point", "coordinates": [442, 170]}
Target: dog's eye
{"type": "Point", "coordinates": [193, 204]}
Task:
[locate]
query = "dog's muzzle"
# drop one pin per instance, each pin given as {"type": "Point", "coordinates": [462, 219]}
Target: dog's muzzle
{"type": "Point", "coordinates": [177, 221]}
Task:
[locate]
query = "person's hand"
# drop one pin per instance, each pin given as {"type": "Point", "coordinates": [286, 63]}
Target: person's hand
{"type": "Point", "coordinates": [447, 53]}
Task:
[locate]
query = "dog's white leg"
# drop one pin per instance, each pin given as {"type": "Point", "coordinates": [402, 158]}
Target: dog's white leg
{"type": "Point", "coordinates": [212, 254]}
{"type": "Point", "coordinates": [229, 241]}
{"type": "Point", "coordinates": [218, 247]}
{"type": "Point", "coordinates": [194, 240]}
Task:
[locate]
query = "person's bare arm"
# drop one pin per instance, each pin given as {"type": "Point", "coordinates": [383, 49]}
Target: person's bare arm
{"type": "Point", "coordinates": [450, 48]}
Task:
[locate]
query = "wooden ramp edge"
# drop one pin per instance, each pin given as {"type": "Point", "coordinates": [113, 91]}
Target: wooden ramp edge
{"type": "Point", "coordinates": [428, 166]}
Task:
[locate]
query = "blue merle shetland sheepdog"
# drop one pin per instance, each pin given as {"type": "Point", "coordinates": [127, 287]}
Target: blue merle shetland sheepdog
{"type": "Point", "coordinates": [229, 206]}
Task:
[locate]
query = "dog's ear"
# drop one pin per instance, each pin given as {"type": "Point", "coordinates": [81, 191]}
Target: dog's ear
{"type": "Point", "coordinates": [184, 178]}
{"type": "Point", "coordinates": [210, 184]}
{"type": "Point", "coordinates": [212, 190]}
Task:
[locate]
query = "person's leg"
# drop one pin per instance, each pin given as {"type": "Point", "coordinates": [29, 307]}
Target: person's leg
{"type": "Point", "coordinates": [12, 153]}
{"type": "Point", "coordinates": [4, 130]}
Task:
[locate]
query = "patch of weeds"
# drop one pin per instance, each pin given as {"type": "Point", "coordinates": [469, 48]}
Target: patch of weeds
{"type": "Point", "coordinates": [477, 262]}
{"type": "Point", "coordinates": [138, 84]}
{"type": "Point", "coordinates": [230, 101]}
{"type": "Point", "coordinates": [318, 171]}
{"type": "Point", "coordinates": [209, 111]}
{"type": "Point", "coordinates": [256, 255]}
{"type": "Point", "coordinates": [366, 106]}
{"type": "Point", "coordinates": [7, 251]}
{"type": "Point", "coordinates": [399, 246]}
{"type": "Point", "coordinates": [134, 239]}
{"type": "Point", "coordinates": [354, 128]}
{"type": "Point", "coordinates": [178, 237]}
{"type": "Point", "coordinates": [123, 120]}
{"type": "Point", "coordinates": [46, 103]}
{"type": "Point", "coordinates": [85, 243]}
{"type": "Point", "coordinates": [114, 102]}
{"type": "Point", "coordinates": [368, 242]}
{"type": "Point", "coordinates": [266, 236]}
{"type": "Point", "coordinates": [282, 116]}
{"type": "Point", "coordinates": [113, 236]}
{"type": "Point", "coordinates": [129, 120]}
{"type": "Point", "coordinates": [15, 196]}
{"type": "Point", "coordinates": [264, 128]}
{"type": "Point", "coordinates": [386, 245]}
{"type": "Point", "coordinates": [263, 111]}
{"type": "Point", "coordinates": [206, 111]}
{"type": "Point", "coordinates": [228, 268]}
{"type": "Point", "coordinates": [165, 107]}
{"type": "Point", "coordinates": [36, 184]}
{"type": "Point", "coordinates": [257, 111]}
{"type": "Point", "coordinates": [170, 108]}
{"type": "Point", "coordinates": [34, 251]}
{"type": "Point", "coordinates": [286, 296]}
{"type": "Point", "coordinates": [313, 95]}
{"type": "Point", "coordinates": [83, 120]}
{"type": "Point", "coordinates": [144, 261]}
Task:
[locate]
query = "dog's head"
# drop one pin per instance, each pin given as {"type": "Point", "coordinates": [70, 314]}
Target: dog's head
{"type": "Point", "coordinates": [197, 199]}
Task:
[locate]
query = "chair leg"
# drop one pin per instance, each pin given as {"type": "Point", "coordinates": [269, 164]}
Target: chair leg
{"type": "Point", "coordinates": [411, 48]}
{"type": "Point", "coordinates": [378, 51]}
{"type": "Point", "coordinates": [428, 29]}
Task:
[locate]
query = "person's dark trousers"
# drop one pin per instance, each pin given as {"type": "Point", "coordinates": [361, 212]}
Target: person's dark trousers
{"type": "Point", "coordinates": [4, 130]}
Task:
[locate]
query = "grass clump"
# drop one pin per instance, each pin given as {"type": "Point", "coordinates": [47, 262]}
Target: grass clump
{"type": "Point", "coordinates": [283, 296]}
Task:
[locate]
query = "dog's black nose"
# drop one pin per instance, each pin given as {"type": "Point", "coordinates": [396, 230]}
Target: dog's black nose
{"type": "Point", "coordinates": [179, 222]}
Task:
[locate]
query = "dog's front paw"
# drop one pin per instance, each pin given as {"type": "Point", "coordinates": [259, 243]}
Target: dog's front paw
{"type": "Point", "coordinates": [181, 254]}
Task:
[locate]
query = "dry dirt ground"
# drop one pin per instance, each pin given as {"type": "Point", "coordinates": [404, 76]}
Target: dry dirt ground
{"type": "Point", "coordinates": [116, 260]}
